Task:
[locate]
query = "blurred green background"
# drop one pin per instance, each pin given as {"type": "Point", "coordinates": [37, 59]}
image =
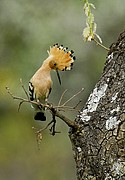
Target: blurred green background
{"type": "Point", "coordinates": [27, 29]}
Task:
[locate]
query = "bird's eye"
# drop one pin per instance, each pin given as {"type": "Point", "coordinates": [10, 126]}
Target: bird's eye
{"type": "Point", "coordinates": [52, 64]}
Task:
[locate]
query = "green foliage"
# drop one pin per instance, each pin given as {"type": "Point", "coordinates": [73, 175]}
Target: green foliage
{"type": "Point", "coordinates": [89, 31]}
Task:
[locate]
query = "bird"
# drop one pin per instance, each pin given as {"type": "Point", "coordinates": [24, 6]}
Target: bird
{"type": "Point", "coordinates": [40, 85]}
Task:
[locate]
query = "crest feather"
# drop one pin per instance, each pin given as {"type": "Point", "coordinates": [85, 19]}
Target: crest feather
{"type": "Point", "coordinates": [62, 58]}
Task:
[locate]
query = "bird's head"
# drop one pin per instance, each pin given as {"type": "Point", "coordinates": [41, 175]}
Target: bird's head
{"type": "Point", "coordinates": [60, 59]}
{"type": "Point", "coordinates": [53, 65]}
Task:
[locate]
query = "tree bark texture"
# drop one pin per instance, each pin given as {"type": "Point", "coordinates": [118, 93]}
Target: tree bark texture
{"type": "Point", "coordinates": [99, 142]}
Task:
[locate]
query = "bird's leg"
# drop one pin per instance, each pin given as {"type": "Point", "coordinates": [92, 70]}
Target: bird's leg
{"type": "Point", "coordinates": [39, 106]}
{"type": "Point", "coordinates": [53, 127]}
{"type": "Point", "coordinates": [46, 100]}
{"type": "Point", "coordinates": [48, 103]}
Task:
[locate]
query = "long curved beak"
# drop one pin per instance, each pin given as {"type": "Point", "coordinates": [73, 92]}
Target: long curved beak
{"type": "Point", "coordinates": [58, 76]}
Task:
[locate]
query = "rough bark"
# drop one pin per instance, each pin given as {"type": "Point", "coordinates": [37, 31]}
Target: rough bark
{"type": "Point", "coordinates": [99, 144]}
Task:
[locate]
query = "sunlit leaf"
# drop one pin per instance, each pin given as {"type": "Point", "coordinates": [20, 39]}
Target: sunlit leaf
{"type": "Point", "coordinates": [86, 33]}
{"type": "Point", "coordinates": [92, 5]}
{"type": "Point", "coordinates": [91, 18]}
{"type": "Point", "coordinates": [94, 27]}
{"type": "Point", "coordinates": [86, 10]}
{"type": "Point", "coordinates": [90, 30]}
{"type": "Point", "coordinates": [99, 38]}
{"type": "Point", "coordinates": [90, 38]}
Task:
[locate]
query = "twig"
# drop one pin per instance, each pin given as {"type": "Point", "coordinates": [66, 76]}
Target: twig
{"type": "Point", "coordinates": [24, 89]}
{"type": "Point", "coordinates": [98, 43]}
{"type": "Point", "coordinates": [77, 104]}
{"type": "Point", "coordinates": [22, 99]}
{"type": "Point", "coordinates": [54, 111]}
{"type": "Point", "coordinates": [16, 97]}
{"type": "Point", "coordinates": [20, 105]}
{"type": "Point", "coordinates": [40, 130]}
{"type": "Point", "coordinates": [73, 97]}
{"type": "Point", "coordinates": [67, 108]}
{"type": "Point", "coordinates": [61, 97]}
{"type": "Point", "coordinates": [69, 122]}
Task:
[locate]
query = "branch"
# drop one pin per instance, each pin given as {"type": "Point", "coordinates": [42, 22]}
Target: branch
{"type": "Point", "coordinates": [61, 97]}
{"type": "Point", "coordinates": [53, 110]}
{"type": "Point", "coordinates": [98, 43]}
{"type": "Point", "coordinates": [64, 118]}
{"type": "Point", "coordinates": [73, 96]}
{"type": "Point", "coordinates": [24, 89]}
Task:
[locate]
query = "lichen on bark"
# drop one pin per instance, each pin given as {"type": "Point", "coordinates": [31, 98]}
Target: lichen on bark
{"type": "Point", "coordinates": [99, 144]}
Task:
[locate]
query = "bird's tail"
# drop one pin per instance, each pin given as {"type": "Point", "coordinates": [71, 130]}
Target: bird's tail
{"type": "Point", "coordinates": [40, 116]}
{"type": "Point", "coordinates": [39, 113]}
{"type": "Point", "coordinates": [62, 58]}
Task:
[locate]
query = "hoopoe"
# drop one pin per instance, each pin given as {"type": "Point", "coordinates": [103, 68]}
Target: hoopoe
{"type": "Point", "coordinates": [40, 84]}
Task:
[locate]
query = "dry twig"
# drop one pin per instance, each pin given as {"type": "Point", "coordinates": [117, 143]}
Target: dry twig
{"type": "Point", "coordinates": [73, 97]}
{"type": "Point", "coordinates": [59, 103]}
{"type": "Point", "coordinates": [54, 110]}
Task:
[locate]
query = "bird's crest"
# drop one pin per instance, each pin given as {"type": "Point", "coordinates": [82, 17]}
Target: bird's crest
{"type": "Point", "coordinates": [62, 59]}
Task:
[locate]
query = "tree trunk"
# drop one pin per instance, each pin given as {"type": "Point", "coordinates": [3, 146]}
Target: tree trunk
{"type": "Point", "coordinates": [99, 144]}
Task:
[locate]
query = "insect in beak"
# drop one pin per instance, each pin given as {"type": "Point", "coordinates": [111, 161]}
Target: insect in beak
{"type": "Point", "coordinates": [58, 76]}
